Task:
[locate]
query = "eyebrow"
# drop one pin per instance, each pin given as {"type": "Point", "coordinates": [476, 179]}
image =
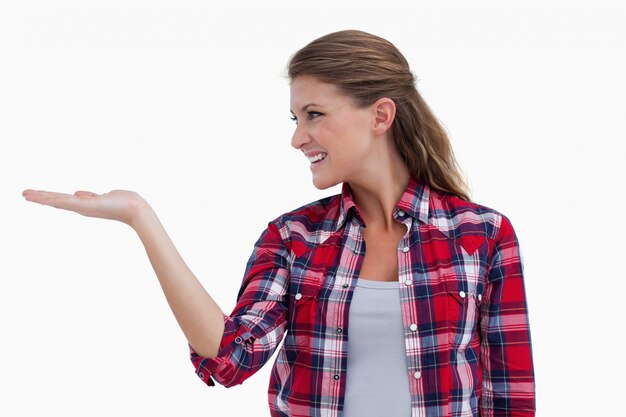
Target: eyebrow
{"type": "Point", "coordinates": [306, 106]}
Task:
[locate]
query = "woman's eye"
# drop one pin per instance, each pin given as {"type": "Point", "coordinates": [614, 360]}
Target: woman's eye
{"type": "Point", "coordinates": [311, 114]}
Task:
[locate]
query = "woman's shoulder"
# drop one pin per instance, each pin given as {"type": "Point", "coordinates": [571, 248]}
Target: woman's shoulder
{"type": "Point", "coordinates": [311, 221]}
{"type": "Point", "coordinates": [465, 216]}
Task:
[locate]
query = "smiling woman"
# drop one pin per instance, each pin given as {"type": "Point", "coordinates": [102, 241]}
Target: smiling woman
{"type": "Point", "coordinates": [337, 136]}
{"type": "Point", "coordinates": [397, 297]}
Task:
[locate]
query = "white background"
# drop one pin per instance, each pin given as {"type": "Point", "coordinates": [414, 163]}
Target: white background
{"type": "Point", "coordinates": [186, 104]}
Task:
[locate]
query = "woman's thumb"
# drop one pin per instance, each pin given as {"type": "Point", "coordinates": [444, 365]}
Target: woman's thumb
{"type": "Point", "coordinates": [85, 194]}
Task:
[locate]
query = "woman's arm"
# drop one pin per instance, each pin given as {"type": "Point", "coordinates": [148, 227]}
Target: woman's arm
{"type": "Point", "coordinates": [508, 383]}
{"type": "Point", "coordinates": [257, 324]}
{"type": "Point", "coordinates": [199, 317]}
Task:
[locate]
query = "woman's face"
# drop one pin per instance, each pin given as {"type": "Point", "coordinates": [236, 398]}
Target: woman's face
{"type": "Point", "coordinates": [327, 123]}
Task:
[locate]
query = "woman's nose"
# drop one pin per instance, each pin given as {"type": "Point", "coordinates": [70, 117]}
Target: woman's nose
{"type": "Point", "coordinates": [299, 138]}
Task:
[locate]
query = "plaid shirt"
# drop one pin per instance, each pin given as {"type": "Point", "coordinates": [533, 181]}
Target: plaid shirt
{"type": "Point", "coordinates": [462, 296]}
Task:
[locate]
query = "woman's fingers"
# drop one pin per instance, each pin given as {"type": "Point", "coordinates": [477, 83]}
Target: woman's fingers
{"type": "Point", "coordinates": [44, 197]}
{"type": "Point", "coordinates": [58, 200]}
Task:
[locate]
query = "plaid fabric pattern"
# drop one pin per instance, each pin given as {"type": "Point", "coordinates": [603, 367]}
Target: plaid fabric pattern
{"type": "Point", "coordinates": [467, 339]}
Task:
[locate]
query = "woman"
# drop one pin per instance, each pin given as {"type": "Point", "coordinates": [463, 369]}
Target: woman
{"type": "Point", "coordinates": [397, 297]}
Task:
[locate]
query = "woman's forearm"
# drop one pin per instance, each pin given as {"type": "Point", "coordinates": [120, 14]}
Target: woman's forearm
{"type": "Point", "coordinates": [199, 317]}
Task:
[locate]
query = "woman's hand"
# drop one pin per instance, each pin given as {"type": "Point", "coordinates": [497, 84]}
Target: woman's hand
{"type": "Point", "coordinates": [120, 205]}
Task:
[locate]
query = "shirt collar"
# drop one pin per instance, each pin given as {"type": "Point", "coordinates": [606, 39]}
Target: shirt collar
{"type": "Point", "coordinates": [414, 201]}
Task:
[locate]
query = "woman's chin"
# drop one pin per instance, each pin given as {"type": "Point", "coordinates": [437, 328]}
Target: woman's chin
{"type": "Point", "coordinates": [323, 183]}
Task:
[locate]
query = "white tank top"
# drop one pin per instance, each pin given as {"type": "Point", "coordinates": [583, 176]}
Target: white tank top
{"type": "Point", "coordinates": [377, 380]}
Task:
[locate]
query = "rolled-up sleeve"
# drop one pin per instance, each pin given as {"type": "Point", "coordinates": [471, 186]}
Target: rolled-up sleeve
{"type": "Point", "coordinates": [508, 386]}
{"type": "Point", "coordinates": [256, 326]}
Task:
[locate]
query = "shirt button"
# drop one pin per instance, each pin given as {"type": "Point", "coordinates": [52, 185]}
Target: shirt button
{"type": "Point", "coordinates": [345, 285]}
{"type": "Point", "coordinates": [408, 282]}
{"type": "Point", "coordinates": [298, 296]}
{"type": "Point", "coordinates": [356, 252]}
{"type": "Point", "coordinates": [339, 330]}
{"type": "Point", "coordinates": [401, 213]}
{"type": "Point", "coordinates": [405, 249]}
{"type": "Point", "coordinates": [462, 294]}
{"type": "Point", "coordinates": [417, 374]}
{"type": "Point", "coordinates": [413, 327]}
{"type": "Point", "coordinates": [480, 297]}
{"type": "Point", "coordinates": [238, 339]}
{"type": "Point", "coordinates": [336, 377]}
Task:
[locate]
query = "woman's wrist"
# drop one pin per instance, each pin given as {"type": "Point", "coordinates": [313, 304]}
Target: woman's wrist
{"type": "Point", "coordinates": [142, 216]}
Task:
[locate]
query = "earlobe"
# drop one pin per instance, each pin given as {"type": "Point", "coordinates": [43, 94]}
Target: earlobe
{"type": "Point", "coordinates": [385, 110]}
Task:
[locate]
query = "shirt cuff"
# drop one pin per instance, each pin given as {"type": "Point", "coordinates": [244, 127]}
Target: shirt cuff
{"type": "Point", "coordinates": [220, 367]}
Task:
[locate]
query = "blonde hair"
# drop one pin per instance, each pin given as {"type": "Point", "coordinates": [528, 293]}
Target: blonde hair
{"type": "Point", "coordinates": [366, 67]}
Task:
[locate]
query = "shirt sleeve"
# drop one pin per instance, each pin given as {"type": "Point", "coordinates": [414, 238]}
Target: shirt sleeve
{"type": "Point", "coordinates": [508, 386]}
{"type": "Point", "coordinates": [256, 326]}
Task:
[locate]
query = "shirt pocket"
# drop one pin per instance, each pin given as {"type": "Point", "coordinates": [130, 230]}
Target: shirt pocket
{"type": "Point", "coordinates": [463, 306]}
{"type": "Point", "coordinates": [304, 298]}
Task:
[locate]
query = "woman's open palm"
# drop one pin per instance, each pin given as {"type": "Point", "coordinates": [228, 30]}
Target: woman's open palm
{"type": "Point", "coordinates": [121, 205]}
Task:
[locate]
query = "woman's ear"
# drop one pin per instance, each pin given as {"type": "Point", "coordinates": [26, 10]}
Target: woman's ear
{"type": "Point", "coordinates": [384, 113]}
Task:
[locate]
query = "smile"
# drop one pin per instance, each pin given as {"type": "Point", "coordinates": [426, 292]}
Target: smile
{"type": "Point", "coordinates": [318, 157]}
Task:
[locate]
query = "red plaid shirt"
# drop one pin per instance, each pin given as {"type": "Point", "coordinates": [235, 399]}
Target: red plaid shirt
{"type": "Point", "coordinates": [462, 296]}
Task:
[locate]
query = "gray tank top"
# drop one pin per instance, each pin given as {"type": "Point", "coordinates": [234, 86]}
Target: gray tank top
{"type": "Point", "coordinates": [377, 380]}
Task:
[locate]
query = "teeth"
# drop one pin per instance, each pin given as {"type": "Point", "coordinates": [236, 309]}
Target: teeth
{"type": "Point", "coordinates": [318, 157]}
